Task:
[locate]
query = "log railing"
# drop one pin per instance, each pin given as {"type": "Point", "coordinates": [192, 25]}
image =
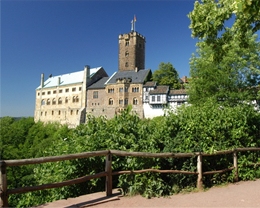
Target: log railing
{"type": "Point", "coordinates": [108, 173]}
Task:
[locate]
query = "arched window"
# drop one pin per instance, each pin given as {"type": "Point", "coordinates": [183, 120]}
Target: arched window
{"type": "Point", "coordinates": [48, 102]}
{"type": "Point", "coordinates": [77, 99]}
{"type": "Point", "coordinates": [53, 101]}
{"type": "Point", "coordinates": [43, 102]}
{"type": "Point", "coordinates": [60, 101]}
{"type": "Point", "coordinates": [74, 99]}
{"type": "Point", "coordinates": [66, 100]}
{"type": "Point", "coordinates": [135, 101]}
{"type": "Point", "coordinates": [110, 102]}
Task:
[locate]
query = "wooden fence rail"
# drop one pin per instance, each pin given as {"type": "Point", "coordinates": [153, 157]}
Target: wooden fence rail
{"type": "Point", "coordinates": [108, 173]}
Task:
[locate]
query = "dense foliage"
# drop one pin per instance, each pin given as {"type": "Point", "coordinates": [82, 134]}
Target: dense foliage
{"type": "Point", "coordinates": [208, 129]}
{"type": "Point", "coordinates": [166, 74]}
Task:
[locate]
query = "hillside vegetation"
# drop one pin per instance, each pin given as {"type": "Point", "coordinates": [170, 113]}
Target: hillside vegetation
{"type": "Point", "coordinates": [206, 128]}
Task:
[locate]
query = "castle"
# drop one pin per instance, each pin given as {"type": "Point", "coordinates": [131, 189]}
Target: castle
{"type": "Point", "coordinates": [68, 98]}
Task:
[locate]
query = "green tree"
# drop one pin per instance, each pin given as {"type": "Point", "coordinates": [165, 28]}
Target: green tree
{"type": "Point", "coordinates": [210, 16]}
{"type": "Point", "coordinates": [220, 23]}
{"type": "Point", "coordinates": [232, 79]}
{"type": "Point", "coordinates": [167, 75]}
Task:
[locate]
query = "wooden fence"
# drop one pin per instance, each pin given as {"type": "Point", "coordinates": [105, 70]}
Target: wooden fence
{"type": "Point", "coordinates": [108, 173]}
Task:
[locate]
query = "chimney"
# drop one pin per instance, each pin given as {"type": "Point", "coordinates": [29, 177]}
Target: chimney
{"type": "Point", "coordinates": [87, 68]}
{"type": "Point", "coordinates": [42, 80]}
{"type": "Point", "coordinates": [58, 81]}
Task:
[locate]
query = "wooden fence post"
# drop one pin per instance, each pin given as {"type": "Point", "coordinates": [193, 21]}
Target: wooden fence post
{"type": "Point", "coordinates": [199, 170]}
{"type": "Point", "coordinates": [235, 166]}
{"type": "Point", "coordinates": [3, 185]}
{"type": "Point", "coordinates": [109, 174]}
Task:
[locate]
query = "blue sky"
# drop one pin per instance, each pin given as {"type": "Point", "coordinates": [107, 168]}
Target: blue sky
{"type": "Point", "coordinates": [57, 37]}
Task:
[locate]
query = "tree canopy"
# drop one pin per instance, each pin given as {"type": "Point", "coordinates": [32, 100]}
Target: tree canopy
{"type": "Point", "coordinates": [167, 75]}
{"type": "Point", "coordinates": [210, 16]}
{"type": "Point", "coordinates": [226, 65]}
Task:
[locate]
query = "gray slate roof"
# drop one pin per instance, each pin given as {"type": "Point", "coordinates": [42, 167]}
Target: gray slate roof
{"type": "Point", "coordinates": [178, 92]}
{"type": "Point", "coordinates": [136, 77]}
{"type": "Point", "coordinates": [161, 89]}
{"type": "Point", "coordinates": [100, 84]}
{"type": "Point", "coordinates": [150, 84]}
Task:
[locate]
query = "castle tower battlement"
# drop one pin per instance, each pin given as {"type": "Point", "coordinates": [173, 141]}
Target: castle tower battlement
{"type": "Point", "coordinates": [131, 52]}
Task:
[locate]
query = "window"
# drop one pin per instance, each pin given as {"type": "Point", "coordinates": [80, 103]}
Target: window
{"type": "Point", "coordinates": [153, 98]}
{"type": "Point", "coordinates": [48, 102]}
{"type": "Point", "coordinates": [111, 90]}
{"type": "Point", "coordinates": [60, 101]}
{"type": "Point", "coordinates": [73, 89]}
{"type": "Point", "coordinates": [54, 101]}
{"type": "Point", "coordinates": [121, 89]}
{"type": "Point", "coordinates": [59, 112]}
{"type": "Point", "coordinates": [71, 112]}
{"type": "Point", "coordinates": [79, 88]}
{"type": "Point", "coordinates": [67, 90]}
{"type": "Point", "coordinates": [60, 91]}
{"type": "Point", "coordinates": [49, 92]}
{"type": "Point", "coordinates": [158, 98]}
{"type": "Point", "coordinates": [45, 113]}
{"type": "Point", "coordinates": [126, 101]}
{"type": "Point", "coordinates": [43, 93]}
{"type": "Point", "coordinates": [120, 102]}
{"type": "Point", "coordinates": [110, 102]}
{"type": "Point", "coordinates": [127, 43]}
{"type": "Point", "coordinates": [126, 53]}
{"type": "Point", "coordinates": [75, 99]}
{"type": "Point", "coordinates": [43, 102]}
{"type": "Point", "coordinates": [95, 94]}
{"type": "Point", "coordinates": [135, 102]}
{"type": "Point", "coordinates": [52, 112]}
{"type": "Point", "coordinates": [135, 89]}
{"type": "Point", "coordinates": [66, 100]}
{"type": "Point", "coordinates": [146, 97]}
{"type": "Point", "coordinates": [77, 112]}
{"type": "Point", "coordinates": [38, 93]}
{"type": "Point", "coordinates": [54, 92]}
{"type": "Point", "coordinates": [126, 64]}
{"type": "Point", "coordinates": [126, 89]}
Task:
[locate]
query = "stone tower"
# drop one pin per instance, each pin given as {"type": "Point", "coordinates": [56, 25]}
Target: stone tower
{"type": "Point", "coordinates": [131, 52]}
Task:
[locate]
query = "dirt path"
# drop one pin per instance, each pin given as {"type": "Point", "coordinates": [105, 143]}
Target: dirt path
{"type": "Point", "coordinates": [241, 194]}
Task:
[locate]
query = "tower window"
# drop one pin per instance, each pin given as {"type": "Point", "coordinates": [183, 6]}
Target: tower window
{"type": "Point", "coordinates": [135, 101]}
{"type": "Point", "coordinates": [126, 53]}
{"type": "Point", "coordinates": [95, 94]}
{"type": "Point", "coordinates": [60, 101]}
{"type": "Point", "coordinates": [126, 64]}
{"type": "Point", "coordinates": [110, 102]}
{"type": "Point", "coordinates": [135, 89]}
{"type": "Point", "coordinates": [127, 43]}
